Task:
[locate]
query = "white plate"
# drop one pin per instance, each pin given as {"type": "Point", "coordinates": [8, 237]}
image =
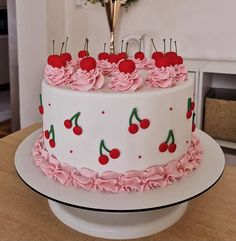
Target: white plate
{"type": "Point", "coordinates": [190, 186]}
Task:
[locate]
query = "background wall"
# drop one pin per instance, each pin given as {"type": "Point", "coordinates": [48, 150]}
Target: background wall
{"type": "Point", "coordinates": [204, 29]}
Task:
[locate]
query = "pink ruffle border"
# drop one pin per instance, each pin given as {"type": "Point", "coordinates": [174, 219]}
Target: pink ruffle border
{"type": "Point", "coordinates": [109, 181]}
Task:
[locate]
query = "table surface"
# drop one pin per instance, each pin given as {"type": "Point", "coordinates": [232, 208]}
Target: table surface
{"type": "Point", "coordinates": [25, 215]}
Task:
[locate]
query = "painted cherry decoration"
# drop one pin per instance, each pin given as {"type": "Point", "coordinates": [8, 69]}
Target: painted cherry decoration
{"type": "Point", "coordinates": [189, 114]}
{"type": "Point", "coordinates": [77, 130]}
{"type": "Point", "coordinates": [172, 148]}
{"type": "Point", "coordinates": [68, 123]}
{"type": "Point", "coordinates": [192, 106]}
{"type": "Point", "coordinates": [88, 63]}
{"type": "Point", "coordinates": [193, 124]}
{"type": "Point", "coordinates": [41, 109]}
{"type": "Point", "coordinates": [127, 66]}
{"type": "Point", "coordinates": [156, 54]}
{"type": "Point", "coordinates": [133, 128]}
{"type": "Point", "coordinates": [46, 134]}
{"type": "Point", "coordinates": [163, 147]}
{"type": "Point", "coordinates": [114, 153]}
{"type": "Point", "coordinates": [144, 124]}
{"type": "Point", "coordinates": [103, 159]}
{"type": "Point", "coordinates": [52, 143]}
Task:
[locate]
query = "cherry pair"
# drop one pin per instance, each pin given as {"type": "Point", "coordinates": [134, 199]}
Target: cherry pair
{"type": "Point", "coordinates": [113, 153]}
{"type": "Point", "coordinates": [68, 123]}
{"type": "Point", "coordinates": [41, 109]}
{"type": "Point", "coordinates": [170, 147]}
{"type": "Point", "coordinates": [133, 128]}
{"type": "Point", "coordinates": [190, 108]}
{"type": "Point", "coordinates": [51, 134]}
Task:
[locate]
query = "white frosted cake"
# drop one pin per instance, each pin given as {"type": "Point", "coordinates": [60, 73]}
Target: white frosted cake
{"type": "Point", "coordinates": [117, 126]}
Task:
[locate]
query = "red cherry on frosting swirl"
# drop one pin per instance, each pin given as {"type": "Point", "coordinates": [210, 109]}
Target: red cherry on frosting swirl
{"type": "Point", "coordinates": [103, 159]}
{"type": "Point", "coordinates": [56, 61]}
{"type": "Point", "coordinates": [157, 55]}
{"type": "Point", "coordinates": [114, 153]}
{"type": "Point", "coordinates": [88, 63]}
{"type": "Point", "coordinates": [127, 66]}
{"type": "Point", "coordinates": [83, 53]}
{"type": "Point", "coordinates": [113, 58]}
{"type": "Point", "coordinates": [122, 55]}
{"type": "Point", "coordinates": [66, 57]}
{"type": "Point", "coordinates": [162, 62]}
{"type": "Point", "coordinates": [170, 54]}
{"type": "Point", "coordinates": [103, 56]}
{"type": "Point", "coordinates": [177, 60]}
{"type": "Point", "coordinates": [139, 55]}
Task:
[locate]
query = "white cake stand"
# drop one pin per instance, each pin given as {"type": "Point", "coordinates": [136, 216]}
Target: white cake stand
{"type": "Point", "coordinates": [123, 215]}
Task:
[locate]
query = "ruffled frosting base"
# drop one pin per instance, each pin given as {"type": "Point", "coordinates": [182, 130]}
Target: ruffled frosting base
{"type": "Point", "coordinates": [134, 180]}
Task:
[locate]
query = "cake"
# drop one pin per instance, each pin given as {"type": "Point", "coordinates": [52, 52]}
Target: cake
{"type": "Point", "coordinates": [128, 129]}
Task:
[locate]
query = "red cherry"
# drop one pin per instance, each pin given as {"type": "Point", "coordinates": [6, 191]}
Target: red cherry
{"type": "Point", "coordinates": [88, 63]}
{"type": "Point", "coordinates": [162, 62]}
{"type": "Point", "coordinates": [189, 114]}
{"type": "Point", "coordinates": [177, 60]}
{"type": "Point", "coordinates": [103, 159]}
{"type": "Point", "coordinates": [66, 57]}
{"type": "Point", "coordinates": [52, 143]}
{"type": "Point", "coordinates": [133, 128]}
{"type": "Point", "coordinates": [46, 134]}
{"type": "Point", "coordinates": [77, 130]}
{"type": "Point", "coordinates": [157, 55]}
{"type": "Point", "coordinates": [103, 56]}
{"type": "Point", "coordinates": [192, 106]}
{"type": "Point", "coordinates": [56, 61]}
{"type": "Point", "coordinates": [171, 54]}
{"type": "Point", "coordinates": [163, 147]}
{"type": "Point", "coordinates": [127, 66]}
{"type": "Point", "coordinates": [113, 58]}
{"type": "Point", "coordinates": [139, 55]}
{"type": "Point", "coordinates": [114, 153]}
{"type": "Point", "coordinates": [41, 110]}
{"type": "Point", "coordinates": [172, 148]}
{"type": "Point", "coordinates": [122, 55]}
{"type": "Point", "coordinates": [68, 124]}
{"type": "Point", "coordinates": [144, 124]}
{"type": "Point", "coordinates": [83, 53]}
{"type": "Point", "coordinates": [193, 127]}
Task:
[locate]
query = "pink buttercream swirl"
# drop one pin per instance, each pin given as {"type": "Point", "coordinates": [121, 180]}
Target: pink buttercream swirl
{"type": "Point", "coordinates": [181, 73]}
{"type": "Point", "coordinates": [125, 82]}
{"type": "Point", "coordinates": [107, 67]}
{"type": "Point", "coordinates": [84, 80]}
{"type": "Point", "coordinates": [144, 64]}
{"type": "Point", "coordinates": [134, 180]}
{"type": "Point", "coordinates": [59, 76]}
{"type": "Point", "coordinates": [163, 77]}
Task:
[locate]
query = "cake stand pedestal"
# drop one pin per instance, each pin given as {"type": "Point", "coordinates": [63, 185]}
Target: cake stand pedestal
{"type": "Point", "coordinates": [122, 215]}
{"type": "Point", "coordinates": [118, 225]}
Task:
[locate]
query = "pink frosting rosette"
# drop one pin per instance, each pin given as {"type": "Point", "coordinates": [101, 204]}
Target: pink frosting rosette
{"type": "Point", "coordinates": [161, 77]}
{"type": "Point", "coordinates": [107, 67]}
{"type": "Point", "coordinates": [84, 80]}
{"type": "Point", "coordinates": [109, 181]}
{"type": "Point", "coordinates": [144, 64]}
{"type": "Point", "coordinates": [58, 76]}
{"type": "Point", "coordinates": [125, 82]}
{"type": "Point", "coordinates": [181, 73]}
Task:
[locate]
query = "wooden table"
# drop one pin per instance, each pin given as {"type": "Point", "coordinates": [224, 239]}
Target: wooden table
{"type": "Point", "coordinates": [25, 215]}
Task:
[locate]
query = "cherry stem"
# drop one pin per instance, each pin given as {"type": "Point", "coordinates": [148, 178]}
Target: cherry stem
{"type": "Point", "coordinates": [170, 44]}
{"type": "Point", "coordinates": [134, 113]}
{"type": "Point", "coordinates": [53, 46]}
{"type": "Point", "coordinates": [189, 103]}
{"type": "Point", "coordinates": [104, 50]}
{"type": "Point", "coordinates": [164, 40]}
{"type": "Point", "coordinates": [122, 44]}
{"type": "Point", "coordinates": [193, 116]}
{"type": "Point", "coordinates": [87, 44]}
{"type": "Point", "coordinates": [140, 44]}
{"type": "Point", "coordinates": [62, 46]}
{"type": "Point", "coordinates": [176, 48]}
{"type": "Point", "coordinates": [52, 132]}
{"type": "Point", "coordinates": [76, 117]}
{"type": "Point", "coordinates": [102, 146]}
{"type": "Point", "coordinates": [66, 43]}
{"type": "Point", "coordinates": [170, 135]}
{"type": "Point", "coordinates": [126, 49]}
{"type": "Point", "coordinates": [153, 44]}
{"type": "Point", "coordinates": [40, 98]}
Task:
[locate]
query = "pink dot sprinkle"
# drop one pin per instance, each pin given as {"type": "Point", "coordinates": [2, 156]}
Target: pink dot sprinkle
{"type": "Point", "coordinates": [49, 104]}
{"type": "Point", "coordinates": [187, 142]}
{"type": "Point", "coordinates": [139, 157]}
{"type": "Point", "coordinates": [103, 112]}
{"type": "Point", "coordinates": [171, 108]}
{"type": "Point", "coordinates": [71, 151]}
